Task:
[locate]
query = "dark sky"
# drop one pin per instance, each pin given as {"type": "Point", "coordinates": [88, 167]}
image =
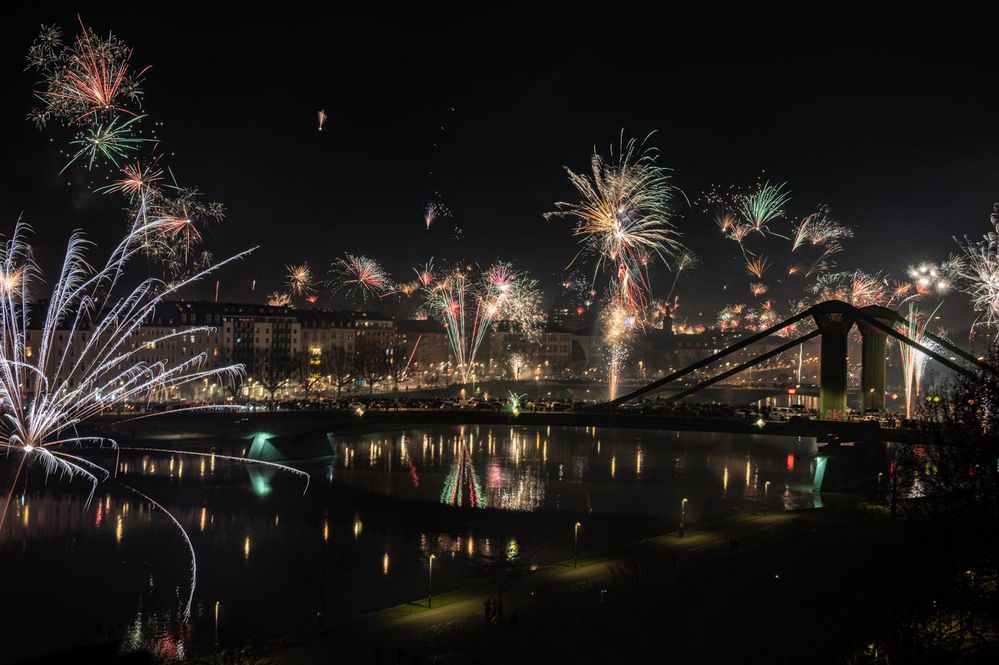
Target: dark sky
{"type": "Point", "coordinates": [890, 119]}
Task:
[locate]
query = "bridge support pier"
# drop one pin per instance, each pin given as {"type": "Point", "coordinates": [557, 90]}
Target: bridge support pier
{"type": "Point", "coordinates": [833, 365]}
{"type": "Point", "coordinates": [875, 367]}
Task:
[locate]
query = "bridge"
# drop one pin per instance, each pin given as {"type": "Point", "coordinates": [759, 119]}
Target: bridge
{"type": "Point", "coordinates": [834, 320]}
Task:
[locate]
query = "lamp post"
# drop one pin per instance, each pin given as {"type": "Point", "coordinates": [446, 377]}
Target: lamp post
{"type": "Point", "coordinates": [766, 493]}
{"type": "Point", "coordinates": [430, 582]}
{"type": "Point", "coordinates": [575, 544]}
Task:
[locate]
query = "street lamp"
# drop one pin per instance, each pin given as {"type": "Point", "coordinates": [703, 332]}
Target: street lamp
{"type": "Point", "coordinates": [766, 488]}
{"type": "Point", "coordinates": [430, 582]}
{"type": "Point", "coordinates": [683, 513]}
{"type": "Point", "coordinates": [575, 544]}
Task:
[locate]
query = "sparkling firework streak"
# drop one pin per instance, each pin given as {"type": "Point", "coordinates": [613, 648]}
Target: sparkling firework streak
{"type": "Point", "coordinates": [624, 210]}
{"type": "Point", "coordinates": [279, 299]}
{"type": "Point", "coordinates": [468, 304]}
{"type": "Point", "coordinates": [322, 118]}
{"type": "Point", "coordinates": [432, 211]}
{"type": "Point", "coordinates": [109, 141]}
{"type": "Point", "coordinates": [48, 387]}
{"type": "Point", "coordinates": [765, 206]}
{"type": "Point", "coordinates": [93, 77]}
{"type": "Point", "coordinates": [137, 183]}
{"type": "Point", "coordinates": [300, 281]}
{"type": "Point", "coordinates": [359, 275]}
{"type": "Point", "coordinates": [175, 220]}
{"type": "Point", "coordinates": [515, 402]}
{"type": "Point", "coordinates": [623, 217]}
{"type": "Point", "coordinates": [755, 267]}
{"type": "Point", "coordinates": [979, 273]}
{"type": "Point", "coordinates": [913, 360]}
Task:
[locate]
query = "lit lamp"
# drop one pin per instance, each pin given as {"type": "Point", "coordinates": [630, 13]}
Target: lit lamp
{"type": "Point", "coordinates": [575, 544]}
{"type": "Point", "coordinates": [430, 582]}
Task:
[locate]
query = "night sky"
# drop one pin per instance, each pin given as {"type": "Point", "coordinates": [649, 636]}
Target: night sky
{"type": "Point", "coordinates": [888, 119]}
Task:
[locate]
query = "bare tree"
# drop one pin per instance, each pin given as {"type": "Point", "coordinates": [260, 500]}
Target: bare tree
{"type": "Point", "coordinates": [341, 368]}
{"type": "Point", "coordinates": [371, 363]}
{"type": "Point", "coordinates": [310, 369]}
{"type": "Point", "coordinates": [273, 371]}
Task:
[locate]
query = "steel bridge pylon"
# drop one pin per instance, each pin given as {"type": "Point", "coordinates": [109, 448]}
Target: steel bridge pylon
{"type": "Point", "coordinates": [834, 320]}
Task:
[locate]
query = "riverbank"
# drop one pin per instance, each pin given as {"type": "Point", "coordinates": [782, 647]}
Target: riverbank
{"type": "Point", "coordinates": [695, 597]}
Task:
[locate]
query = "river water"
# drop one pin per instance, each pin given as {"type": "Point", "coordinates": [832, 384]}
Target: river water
{"type": "Point", "coordinates": [270, 560]}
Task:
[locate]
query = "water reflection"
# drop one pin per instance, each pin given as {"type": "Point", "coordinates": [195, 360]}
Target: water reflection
{"type": "Point", "coordinates": [388, 502]}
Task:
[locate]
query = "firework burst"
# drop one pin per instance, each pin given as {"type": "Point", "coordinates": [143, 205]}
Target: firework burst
{"type": "Point", "coordinates": [468, 304]}
{"type": "Point", "coordinates": [81, 82]}
{"type": "Point", "coordinates": [49, 387]}
{"type": "Point", "coordinates": [107, 142]}
{"type": "Point", "coordinates": [138, 183]}
{"type": "Point", "coordinates": [359, 276]}
{"type": "Point", "coordinates": [300, 280]}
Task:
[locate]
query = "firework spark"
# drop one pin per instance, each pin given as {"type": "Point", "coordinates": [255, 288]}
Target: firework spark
{"type": "Point", "coordinates": [765, 205]}
{"type": "Point", "coordinates": [756, 266]}
{"type": "Point", "coordinates": [468, 304]}
{"type": "Point", "coordinates": [108, 141]}
{"type": "Point", "coordinates": [321, 115]}
{"type": "Point", "coordinates": [137, 182]}
{"type": "Point", "coordinates": [359, 276]}
{"type": "Point", "coordinates": [49, 387]}
{"type": "Point", "coordinates": [93, 77]}
{"type": "Point", "coordinates": [300, 280]}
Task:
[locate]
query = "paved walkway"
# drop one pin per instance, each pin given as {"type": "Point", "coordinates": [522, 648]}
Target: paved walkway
{"type": "Point", "coordinates": [358, 638]}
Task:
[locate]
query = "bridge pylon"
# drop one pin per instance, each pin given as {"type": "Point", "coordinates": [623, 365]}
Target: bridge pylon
{"type": "Point", "coordinates": [835, 330]}
{"type": "Point", "coordinates": [874, 354]}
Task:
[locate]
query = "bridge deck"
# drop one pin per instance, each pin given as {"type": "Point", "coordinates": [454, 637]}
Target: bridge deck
{"type": "Point", "coordinates": [293, 422]}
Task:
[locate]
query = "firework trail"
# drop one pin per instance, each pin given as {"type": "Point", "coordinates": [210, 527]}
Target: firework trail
{"type": "Point", "coordinates": [468, 304]}
{"type": "Point", "coordinates": [321, 115]}
{"type": "Point", "coordinates": [914, 361]}
{"type": "Point", "coordinates": [49, 388]}
{"type": "Point", "coordinates": [433, 211]}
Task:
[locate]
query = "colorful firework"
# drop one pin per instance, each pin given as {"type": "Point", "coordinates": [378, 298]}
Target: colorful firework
{"type": "Point", "coordinates": [433, 211]}
{"type": "Point", "coordinates": [514, 402]}
{"type": "Point", "coordinates": [765, 205]}
{"type": "Point", "coordinates": [279, 299]}
{"type": "Point", "coordinates": [913, 360]}
{"type": "Point", "coordinates": [359, 276]}
{"type": "Point", "coordinates": [300, 280]}
{"type": "Point", "coordinates": [756, 266]}
{"type": "Point", "coordinates": [623, 217]}
{"type": "Point", "coordinates": [85, 81]}
{"type": "Point", "coordinates": [138, 182]}
{"type": "Point", "coordinates": [321, 115]}
{"type": "Point", "coordinates": [176, 223]}
{"type": "Point", "coordinates": [50, 387]}
{"type": "Point", "coordinates": [624, 206]}
{"type": "Point", "coordinates": [468, 304]}
{"type": "Point", "coordinates": [860, 289]}
{"type": "Point", "coordinates": [979, 274]}
{"type": "Point", "coordinates": [107, 142]}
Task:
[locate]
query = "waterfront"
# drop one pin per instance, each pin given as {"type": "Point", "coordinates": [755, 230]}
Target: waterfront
{"type": "Point", "coordinates": [270, 558]}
